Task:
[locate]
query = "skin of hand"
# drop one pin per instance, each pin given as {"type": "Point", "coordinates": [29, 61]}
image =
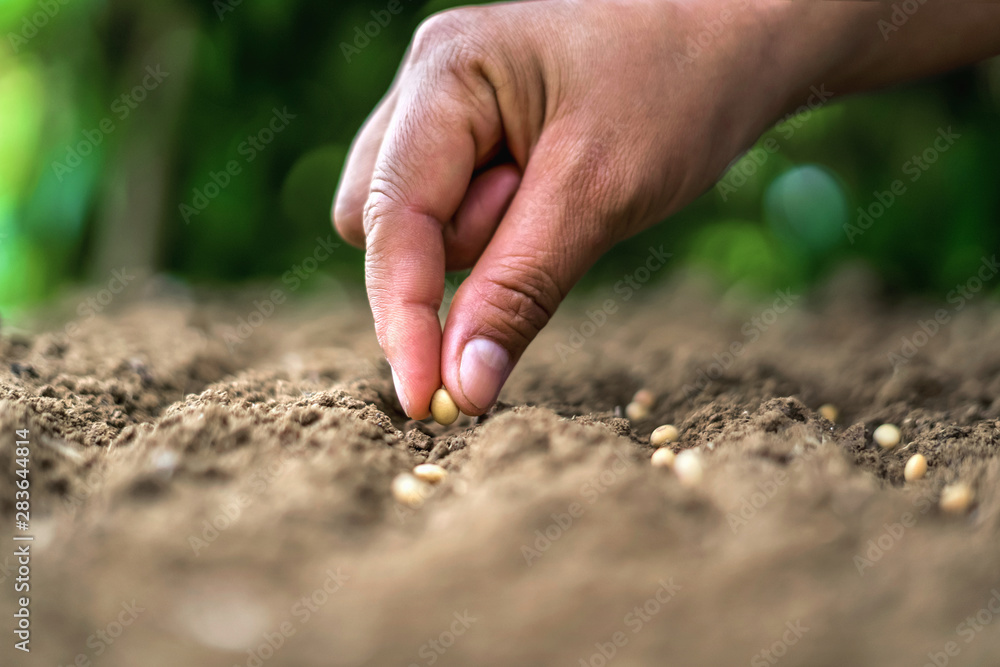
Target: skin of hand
{"type": "Point", "coordinates": [523, 140]}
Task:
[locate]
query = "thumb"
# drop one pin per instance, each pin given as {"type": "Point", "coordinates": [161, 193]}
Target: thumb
{"type": "Point", "coordinates": [558, 224]}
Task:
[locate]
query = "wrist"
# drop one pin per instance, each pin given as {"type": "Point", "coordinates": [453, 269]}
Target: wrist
{"type": "Point", "coordinates": [804, 45]}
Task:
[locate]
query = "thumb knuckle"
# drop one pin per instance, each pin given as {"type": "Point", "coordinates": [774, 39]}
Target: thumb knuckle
{"type": "Point", "coordinates": [525, 297]}
{"type": "Point", "coordinates": [441, 31]}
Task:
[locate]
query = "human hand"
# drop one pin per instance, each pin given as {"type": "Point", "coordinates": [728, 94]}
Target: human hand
{"type": "Point", "coordinates": [523, 140]}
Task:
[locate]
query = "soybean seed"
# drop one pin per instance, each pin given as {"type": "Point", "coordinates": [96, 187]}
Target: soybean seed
{"type": "Point", "coordinates": [829, 412]}
{"type": "Point", "coordinates": [887, 436]}
{"type": "Point", "coordinates": [645, 398]}
{"type": "Point", "coordinates": [410, 491]}
{"type": "Point", "coordinates": [664, 434]}
{"type": "Point", "coordinates": [431, 473]}
{"type": "Point", "coordinates": [956, 498]}
{"type": "Point", "coordinates": [636, 411]}
{"type": "Point", "coordinates": [443, 407]}
{"type": "Point", "coordinates": [663, 458]}
{"type": "Point", "coordinates": [688, 468]}
{"type": "Point", "coordinates": [915, 468]}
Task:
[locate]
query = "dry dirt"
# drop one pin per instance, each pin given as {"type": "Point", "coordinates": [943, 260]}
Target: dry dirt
{"type": "Point", "coordinates": [195, 505]}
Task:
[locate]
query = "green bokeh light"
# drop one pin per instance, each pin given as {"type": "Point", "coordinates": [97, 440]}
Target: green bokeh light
{"type": "Point", "coordinates": [23, 101]}
{"type": "Point", "coordinates": [807, 207]}
{"type": "Point", "coordinates": [739, 251]}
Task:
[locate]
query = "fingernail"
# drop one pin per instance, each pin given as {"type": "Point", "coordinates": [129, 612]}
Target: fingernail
{"type": "Point", "coordinates": [483, 370]}
{"type": "Point", "coordinates": [403, 400]}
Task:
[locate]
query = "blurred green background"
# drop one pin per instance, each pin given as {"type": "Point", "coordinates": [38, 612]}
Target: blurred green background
{"type": "Point", "coordinates": [116, 115]}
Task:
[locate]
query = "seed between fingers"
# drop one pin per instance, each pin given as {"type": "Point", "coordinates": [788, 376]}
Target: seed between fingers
{"type": "Point", "coordinates": [443, 407]}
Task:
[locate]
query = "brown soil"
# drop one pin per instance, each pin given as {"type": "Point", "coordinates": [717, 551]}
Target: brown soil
{"type": "Point", "coordinates": [230, 501]}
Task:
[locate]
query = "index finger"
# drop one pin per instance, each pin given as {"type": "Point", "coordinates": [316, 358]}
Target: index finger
{"type": "Point", "coordinates": [437, 135]}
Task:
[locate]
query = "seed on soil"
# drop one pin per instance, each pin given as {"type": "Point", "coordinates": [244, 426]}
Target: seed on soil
{"type": "Point", "coordinates": [431, 473]}
{"type": "Point", "coordinates": [664, 434]}
{"type": "Point", "coordinates": [443, 407]}
{"type": "Point", "coordinates": [688, 468]}
{"type": "Point", "coordinates": [956, 498]}
{"type": "Point", "coordinates": [645, 398]}
{"type": "Point", "coordinates": [829, 412]}
{"type": "Point", "coordinates": [915, 468]}
{"type": "Point", "coordinates": [410, 491]}
{"type": "Point", "coordinates": [663, 457]}
{"type": "Point", "coordinates": [887, 436]}
{"type": "Point", "coordinates": [636, 411]}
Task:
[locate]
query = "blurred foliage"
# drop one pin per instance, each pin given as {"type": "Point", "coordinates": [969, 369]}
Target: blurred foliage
{"type": "Point", "coordinates": [65, 65]}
